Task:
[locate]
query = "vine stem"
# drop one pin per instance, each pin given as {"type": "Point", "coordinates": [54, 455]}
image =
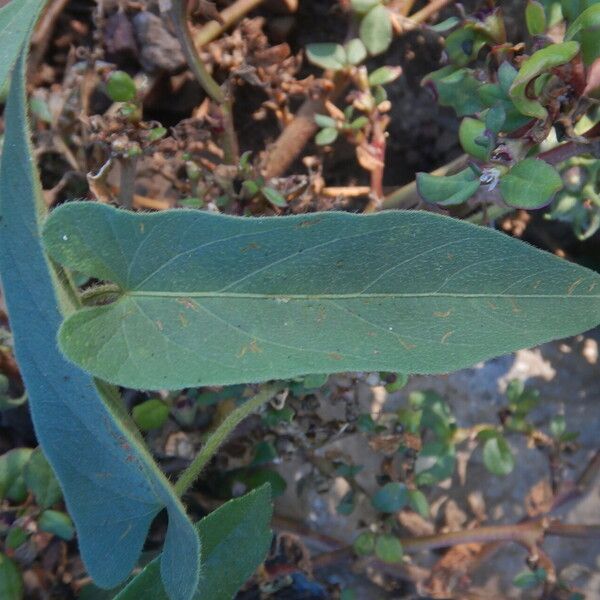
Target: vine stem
{"type": "Point", "coordinates": [220, 435]}
{"type": "Point", "coordinates": [177, 11]}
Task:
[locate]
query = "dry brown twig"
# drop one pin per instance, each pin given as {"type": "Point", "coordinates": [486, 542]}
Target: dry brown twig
{"type": "Point", "coordinates": [43, 34]}
{"type": "Point", "coordinates": [229, 16]}
{"type": "Point", "coordinates": [470, 547]}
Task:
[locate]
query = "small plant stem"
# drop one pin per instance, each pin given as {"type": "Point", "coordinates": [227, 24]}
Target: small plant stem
{"type": "Point", "coordinates": [230, 15]}
{"type": "Point", "coordinates": [349, 191]}
{"type": "Point", "coordinates": [146, 203]}
{"type": "Point", "coordinates": [406, 7]}
{"type": "Point", "coordinates": [589, 473]}
{"type": "Point", "coordinates": [575, 489]}
{"type": "Point", "coordinates": [573, 530]}
{"type": "Point", "coordinates": [428, 11]}
{"type": "Point", "coordinates": [127, 186]}
{"type": "Point", "coordinates": [177, 11]}
{"type": "Point", "coordinates": [178, 14]}
{"type": "Point", "coordinates": [214, 442]}
{"type": "Point", "coordinates": [568, 150]}
{"type": "Point", "coordinates": [526, 534]}
{"type": "Point", "coordinates": [378, 142]}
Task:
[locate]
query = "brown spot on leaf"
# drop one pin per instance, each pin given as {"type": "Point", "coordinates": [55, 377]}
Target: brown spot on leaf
{"type": "Point", "coordinates": [188, 303]}
{"type": "Point", "coordinates": [574, 286]}
{"type": "Point", "coordinates": [442, 315]}
{"type": "Point", "coordinates": [446, 336]}
{"type": "Point", "coordinates": [335, 356]}
{"type": "Point", "coordinates": [252, 347]}
{"type": "Point", "coordinates": [308, 223]}
{"type": "Point", "coordinates": [250, 246]}
{"type": "Point", "coordinates": [406, 345]}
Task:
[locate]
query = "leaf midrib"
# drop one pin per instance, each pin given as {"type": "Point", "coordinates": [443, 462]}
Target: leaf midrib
{"type": "Point", "coordinates": [351, 296]}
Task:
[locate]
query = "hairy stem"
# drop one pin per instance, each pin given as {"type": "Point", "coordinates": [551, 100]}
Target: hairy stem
{"type": "Point", "coordinates": [177, 11]}
{"type": "Point", "coordinates": [223, 431]}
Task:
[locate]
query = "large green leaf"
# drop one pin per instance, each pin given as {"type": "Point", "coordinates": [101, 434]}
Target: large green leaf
{"type": "Point", "coordinates": [112, 487]}
{"type": "Point", "coordinates": [16, 20]}
{"type": "Point", "coordinates": [212, 299]}
{"type": "Point", "coordinates": [235, 539]}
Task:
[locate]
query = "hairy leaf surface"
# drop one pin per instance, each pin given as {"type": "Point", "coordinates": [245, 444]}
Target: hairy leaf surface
{"type": "Point", "coordinates": [111, 485]}
{"type": "Point", "coordinates": [212, 299]}
{"type": "Point", "coordinates": [235, 539]}
{"type": "Point", "coordinates": [16, 20]}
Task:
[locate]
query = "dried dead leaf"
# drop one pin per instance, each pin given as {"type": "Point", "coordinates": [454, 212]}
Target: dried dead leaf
{"type": "Point", "coordinates": [540, 498]}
